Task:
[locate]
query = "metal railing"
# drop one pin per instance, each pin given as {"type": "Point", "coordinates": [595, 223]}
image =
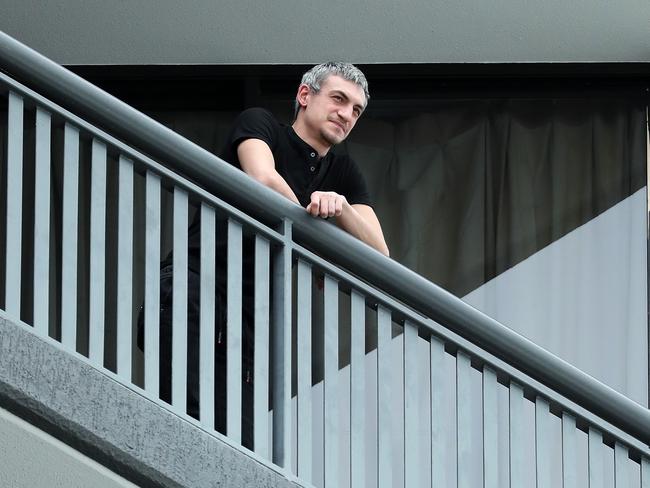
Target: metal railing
{"type": "Point", "coordinates": [435, 394]}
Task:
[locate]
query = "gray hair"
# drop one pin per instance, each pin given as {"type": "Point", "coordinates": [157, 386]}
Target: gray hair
{"type": "Point", "coordinates": [319, 73]}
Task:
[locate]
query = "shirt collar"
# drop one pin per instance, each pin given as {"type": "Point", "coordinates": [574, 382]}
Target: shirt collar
{"type": "Point", "coordinates": [309, 153]}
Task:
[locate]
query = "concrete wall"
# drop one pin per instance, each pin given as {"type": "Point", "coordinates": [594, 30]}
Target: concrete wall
{"type": "Point", "coordinates": [293, 31]}
{"type": "Point", "coordinates": [32, 458]}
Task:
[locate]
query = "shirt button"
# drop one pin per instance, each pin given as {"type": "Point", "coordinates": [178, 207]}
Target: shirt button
{"type": "Point", "coordinates": [313, 155]}
{"type": "Point", "coordinates": [312, 168]}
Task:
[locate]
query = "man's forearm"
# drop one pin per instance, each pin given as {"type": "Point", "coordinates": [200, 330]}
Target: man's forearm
{"type": "Point", "coordinates": [364, 227]}
{"type": "Point", "coordinates": [274, 181]}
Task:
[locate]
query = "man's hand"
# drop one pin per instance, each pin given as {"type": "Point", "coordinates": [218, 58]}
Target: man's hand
{"type": "Point", "coordinates": [326, 204]}
{"type": "Point", "coordinates": [358, 220]}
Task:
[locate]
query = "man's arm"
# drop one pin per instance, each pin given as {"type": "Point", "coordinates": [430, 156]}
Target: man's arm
{"type": "Point", "coordinates": [358, 220]}
{"type": "Point", "coordinates": [256, 159]}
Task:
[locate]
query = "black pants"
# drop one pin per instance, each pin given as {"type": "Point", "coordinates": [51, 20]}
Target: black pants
{"type": "Point", "coordinates": [193, 341]}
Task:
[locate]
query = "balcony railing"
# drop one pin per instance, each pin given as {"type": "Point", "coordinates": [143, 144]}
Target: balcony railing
{"type": "Point", "coordinates": [434, 393]}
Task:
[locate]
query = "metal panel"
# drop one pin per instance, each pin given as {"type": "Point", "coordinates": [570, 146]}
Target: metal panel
{"type": "Point", "coordinates": [517, 474]}
{"type": "Point", "coordinates": [97, 274]}
{"type": "Point", "coordinates": [282, 351]}
{"type": "Point", "coordinates": [125, 268]}
{"type": "Point", "coordinates": [42, 222]}
{"type": "Point", "coordinates": [331, 391]}
{"type": "Point", "coordinates": [463, 420]}
{"type": "Point", "coordinates": [69, 237]}
{"type": "Point", "coordinates": [234, 335]}
{"type": "Point", "coordinates": [411, 407]}
{"type": "Point", "coordinates": [490, 430]}
{"type": "Point", "coordinates": [179, 303]}
{"type": "Point", "coordinates": [207, 316]}
{"type": "Point", "coordinates": [14, 205]}
{"type": "Point", "coordinates": [569, 451]}
{"type": "Point", "coordinates": [152, 285]}
{"type": "Point", "coordinates": [439, 446]}
{"type": "Point", "coordinates": [385, 398]}
{"type": "Point", "coordinates": [357, 389]}
{"type": "Point", "coordinates": [542, 443]}
{"type": "Point", "coordinates": [645, 472]}
{"type": "Point", "coordinates": [303, 306]}
{"type": "Point", "coordinates": [621, 475]}
{"type": "Point", "coordinates": [261, 378]}
{"type": "Point", "coordinates": [596, 479]}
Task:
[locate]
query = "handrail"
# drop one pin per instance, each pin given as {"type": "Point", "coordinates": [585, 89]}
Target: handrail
{"type": "Point", "coordinates": [220, 178]}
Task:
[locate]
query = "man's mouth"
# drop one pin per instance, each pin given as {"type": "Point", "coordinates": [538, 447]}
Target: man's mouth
{"type": "Point", "coordinates": [339, 125]}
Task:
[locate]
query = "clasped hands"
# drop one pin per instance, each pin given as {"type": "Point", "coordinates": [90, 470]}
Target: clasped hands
{"type": "Point", "coordinates": [326, 204]}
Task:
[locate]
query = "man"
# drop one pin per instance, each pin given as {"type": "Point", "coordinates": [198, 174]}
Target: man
{"type": "Point", "coordinates": [296, 160]}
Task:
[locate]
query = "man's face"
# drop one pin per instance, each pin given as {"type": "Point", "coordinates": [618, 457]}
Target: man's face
{"type": "Point", "coordinates": [331, 113]}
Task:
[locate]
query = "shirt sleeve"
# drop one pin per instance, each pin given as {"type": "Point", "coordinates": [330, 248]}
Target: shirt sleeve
{"type": "Point", "coordinates": [253, 123]}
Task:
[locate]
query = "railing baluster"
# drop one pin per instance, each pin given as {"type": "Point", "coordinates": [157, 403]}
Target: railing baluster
{"type": "Point", "coordinates": [411, 407]}
{"type": "Point", "coordinates": [261, 377]}
{"type": "Point", "coordinates": [305, 437]}
{"type": "Point", "coordinates": [125, 268]}
{"type": "Point", "coordinates": [42, 223]}
{"type": "Point", "coordinates": [207, 317]}
{"type": "Point", "coordinates": [14, 205]}
{"type": "Point", "coordinates": [596, 479]}
{"type": "Point", "coordinates": [282, 351]}
{"type": "Point", "coordinates": [621, 477]}
{"type": "Point", "coordinates": [69, 237]}
{"type": "Point", "coordinates": [569, 451]}
{"type": "Point", "coordinates": [645, 472]}
{"type": "Point", "coordinates": [385, 398]}
{"type": "Point", "coordinates": [490, 430]}
{"type": "Point", "coordinates": [542, 443]}
{"type": "Point", "coordinates": [234, 334]}
{"type": "Point", "coordinates": [439, 447]}
{"type": "Point", "coordinates": [330, 383]}
{"type": "Point", "coordinates": [179, 303]}
{"type": "Point", "coordinates": [463, 420]}
{"type": "Point", "coordinates": [357, 389]}
{"type": "Point", "coordinates": [152, 286]}
{"type": "Point", "coordinates": [517, 475]}
{"type": "Point", "coordinates": [97, 275]}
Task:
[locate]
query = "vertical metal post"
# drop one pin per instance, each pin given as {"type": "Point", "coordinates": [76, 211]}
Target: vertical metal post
{"type": "Point", "coordinates": [411, 407]}
{"type": "Point", "coordinates": [282, 351]}
{"type": "Point", "coordinates": [261, 376]}
{"type": "Point", "coordinates": [517, 475]}
{"type": "Point", "coordinates": [207, 316]}
{"type": "Point", "coordinates": [305, 435]}
{"type": "Point", "coordinates": [438, 417]}
{"type": "Point", "coordinates": [645, 472]}
{"type": "Point", "coordinates": [357, 389]}
{"type": "Point", "coordinates": [463, 420]}
{"type": "Point", "coordinates": [179, 303]}
{"type": "Point", "coordinates": [125, 268]}
{"type": "Point", "coordinates": [234, 335]}
{"type": "Point", "coordinates": [385, 398]}
{"type": "Point", "coordinates": [69, 237]}
{"type": "Point", "coordinates": [542, 443]}
{"type": "Point", "coordinates": [42, 223]}
{"type": "Point", "coordinates": [621, 476]}
{"type": "Point", "coordinates": [14, 205]}
{"type": "Point", "coordinates": [490, 430]}
{"type": "Point", "coordinates": [330, 383]}
{"type": "Point", "coordinates": [596, 479]}
{"type": "Point", "coordinates": [97, 275]}
{"type": "Point", "coordinates": [569, 451]}
{"type": "Point", "coordinates": [152, 285]}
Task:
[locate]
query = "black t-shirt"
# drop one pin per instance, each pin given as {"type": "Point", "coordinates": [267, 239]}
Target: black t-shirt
{"type": "Point", "coordinates": [296, 161]}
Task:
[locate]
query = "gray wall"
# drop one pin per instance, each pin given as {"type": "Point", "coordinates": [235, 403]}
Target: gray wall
{"type": "Point", "coordinates": [298, 31]}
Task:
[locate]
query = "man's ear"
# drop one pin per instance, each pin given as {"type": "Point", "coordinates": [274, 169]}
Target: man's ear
{"type": "Point", "coordinates": [303, 94]}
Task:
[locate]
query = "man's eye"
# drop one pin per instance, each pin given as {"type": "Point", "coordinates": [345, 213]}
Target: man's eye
{"type": "Point", "coordinates": [337, 98]}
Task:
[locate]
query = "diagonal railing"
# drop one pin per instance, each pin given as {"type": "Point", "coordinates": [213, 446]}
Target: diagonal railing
{"type": "Point", "coordinates": [436, 393]}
